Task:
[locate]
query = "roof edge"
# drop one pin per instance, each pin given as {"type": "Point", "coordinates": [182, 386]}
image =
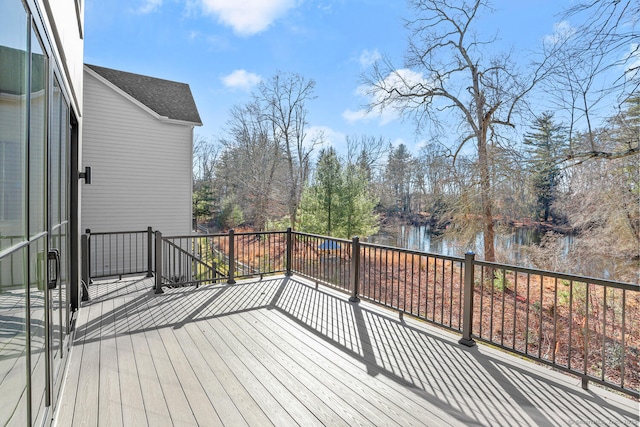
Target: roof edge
{"type": "Point", "coordinates": [145, 108]}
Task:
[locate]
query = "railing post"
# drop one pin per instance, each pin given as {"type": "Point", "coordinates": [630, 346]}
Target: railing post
{"type": "Point", "coordinates": [467, 313]}
{"type": "Point", "coordinates": [84, 268]}
{"type": "Point", "coordinates": [355, 269]}
{"type": "Point", "coordinates": [149, 252]}
{"type": "Point", "coordinates": [88, 233]}
{"type": "Point", "coordinates": [158, 281]}
{"type": "Point", "coordinates": [289, 252]}
{"type": "Point", "coordinates": [585, 379]}
{"type": "Point", "coordinates": [232, 258]}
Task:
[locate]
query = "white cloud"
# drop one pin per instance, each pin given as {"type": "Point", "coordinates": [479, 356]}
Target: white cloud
{"type": "Point", "coordinates": [149, 6]}
{"type": "Point", "coordinates": [241, 79]}
{"type": "Point", "coordinates": [247, 17]}
{"type": "Point", "coordinates": [387, 107]}
{"type": "Point", "coordinates": [384, 115]}
{"type": "Point", "coordinates": [561, 31]}
{"type": "Point", "coordinates": [368, 58]}
{"type": "Point", "coordinates": [355, 116]}
{"type": "Point", "coordinates": [214, 41]}
{"type": "Point", "coordinates": [329, 136]}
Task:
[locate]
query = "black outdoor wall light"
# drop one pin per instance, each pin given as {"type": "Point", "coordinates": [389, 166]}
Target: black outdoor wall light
{"type": "Point", "coordinates": [86, 175]}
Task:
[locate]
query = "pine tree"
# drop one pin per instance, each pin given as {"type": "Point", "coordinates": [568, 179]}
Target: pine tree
{"type": "Point", "coordinates": [547, 140]}
{"type": "Point", "coordinates": [339, 202]}
{"type": "Point", "coordinates": [356, 204]}
{"type": "Point", "coordinates": [399, 173]}
{"type": "Point", "coordinates": [328, 184]}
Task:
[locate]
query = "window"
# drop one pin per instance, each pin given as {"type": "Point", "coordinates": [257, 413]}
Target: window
{"type": "Point", "coordinates": [13, 128]}
{"type": "Point", "coordinates": [14, 27]}
{"type": "Point", "coordinates": [38, 138]}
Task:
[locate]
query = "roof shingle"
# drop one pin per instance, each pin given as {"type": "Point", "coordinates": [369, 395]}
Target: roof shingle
{"type": "Point", "coordinates": [167, 98]}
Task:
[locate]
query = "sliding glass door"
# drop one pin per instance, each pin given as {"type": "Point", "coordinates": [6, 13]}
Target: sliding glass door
{"type": "Point", "coordinates": [34, 221]}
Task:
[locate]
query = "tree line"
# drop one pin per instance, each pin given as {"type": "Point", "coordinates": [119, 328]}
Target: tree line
{"type": "Point", "coordinates": [559, 167]}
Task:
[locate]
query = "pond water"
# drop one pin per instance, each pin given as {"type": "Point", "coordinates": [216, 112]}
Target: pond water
{"type": "Point", "coordinates": [509, 242]}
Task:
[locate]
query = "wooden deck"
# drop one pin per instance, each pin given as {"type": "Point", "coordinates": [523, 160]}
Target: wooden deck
{"type": "Point", "coordinates": [279, 352]}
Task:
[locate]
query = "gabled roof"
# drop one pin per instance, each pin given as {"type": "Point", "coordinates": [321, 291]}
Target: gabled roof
{"type": "Point", "coordinates": [165, 97]}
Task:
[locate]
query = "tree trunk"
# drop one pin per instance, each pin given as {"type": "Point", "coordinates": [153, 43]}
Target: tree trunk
{"type": "Point", "coordinates": [486, 200]}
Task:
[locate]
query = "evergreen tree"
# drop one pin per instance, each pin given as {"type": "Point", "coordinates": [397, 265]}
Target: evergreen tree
{"type": "Point", "coordinates": [547, 140]}
{"type": "Point", "coordinates": [328, 184]}
{"type": "Point", "coordinates": [339, 202]}
{"type": "Point", "coordinates": [399, 173]}
{"type": "Point", "coordinates": [356, 204]}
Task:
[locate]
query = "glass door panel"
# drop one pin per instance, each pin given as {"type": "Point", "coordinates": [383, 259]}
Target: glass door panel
{"type": "Point", "coordinates": [37, 138]}
{"type": "Point", "coordinates": [13, 339]}
{"type": "Point", "coordinates": [14, 62]}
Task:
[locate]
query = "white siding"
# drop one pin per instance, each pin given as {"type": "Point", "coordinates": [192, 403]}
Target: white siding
{"type": "Point", "coordinates": [141, 166]}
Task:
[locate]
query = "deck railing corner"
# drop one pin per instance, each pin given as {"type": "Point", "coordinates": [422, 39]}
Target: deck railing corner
{"type": "Point", "coordinates": [158, 278]}
{"type": "Point", "coordinates": [467, 301]}
{"type": "Point", "coordinates": [355, 269]}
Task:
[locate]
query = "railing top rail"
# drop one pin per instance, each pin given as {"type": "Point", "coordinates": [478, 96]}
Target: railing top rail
{"type": "Point", "coordinates": [106, 233]}
{"type": "Point", "coordinates": [319, 236]}
{"type": "Point", "coordinates": [251, 233]}
{"type": "Point", "coordinates": [170, 243]}
{"type": "Point", "coordinates": [203, 235]}
{"type": "Point", "coordinates": [413, 252]}
{"type": "Point", "coordinates": [195, 236]}
{"type": "Point", "coordinates": [563, 276]}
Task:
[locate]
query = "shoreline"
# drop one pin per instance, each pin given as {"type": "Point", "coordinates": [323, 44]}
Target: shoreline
{"type": "Point", "coordinates": [422, 219]}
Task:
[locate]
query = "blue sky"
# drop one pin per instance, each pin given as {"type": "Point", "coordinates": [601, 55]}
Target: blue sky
{"type": "Point", "coordinates": [222, 48]}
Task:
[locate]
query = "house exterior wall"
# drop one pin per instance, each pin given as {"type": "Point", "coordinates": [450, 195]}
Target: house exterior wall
{"type": "Point", "coordinates": [141, 165]}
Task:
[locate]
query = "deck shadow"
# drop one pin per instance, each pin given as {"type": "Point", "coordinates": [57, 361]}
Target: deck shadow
{"type": "Point", "coordinates": [472, 385]}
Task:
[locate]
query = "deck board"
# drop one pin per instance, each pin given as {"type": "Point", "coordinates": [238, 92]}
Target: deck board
{"type": "Point", "coordinates": [109, 398]}
{"type": "Point", "coordinates": [306, 408]}
{"type": "Point", "coordinates": [336, 386]}
{"type": "Point", "coordinates": [233, 402]}
{"type": "Point", "coordinates": [86, 397]}
{"type": "Point", "coordinates": [279, 352]}
{"type": "Point", "coordinates": [266, 399]}
{"type": "Point", "coordinates": [201, 406]}
{"type": "Point", "coordinates": [350, 382]}
{"type": "Point", "coordinates": [133, 413]}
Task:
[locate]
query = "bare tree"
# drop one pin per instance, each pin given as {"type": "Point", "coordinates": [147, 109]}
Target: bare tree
{"type": "Point", "coordinates": [598, 70]}
{"type": "Point", "coordinates": [433, 171]}
{"type": "Point", "coordinates": [283, 99]}
{"type": "Point", "coordinates": [602, 206]}
{"type": "Point", "coordinates": [205, 156]}
{"type": "Point", "coordinates": [251, 150]}
{"type": "Point", "coordinates": [367, 150]}
{"type": "Point", "coordinates": [450, 70]}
